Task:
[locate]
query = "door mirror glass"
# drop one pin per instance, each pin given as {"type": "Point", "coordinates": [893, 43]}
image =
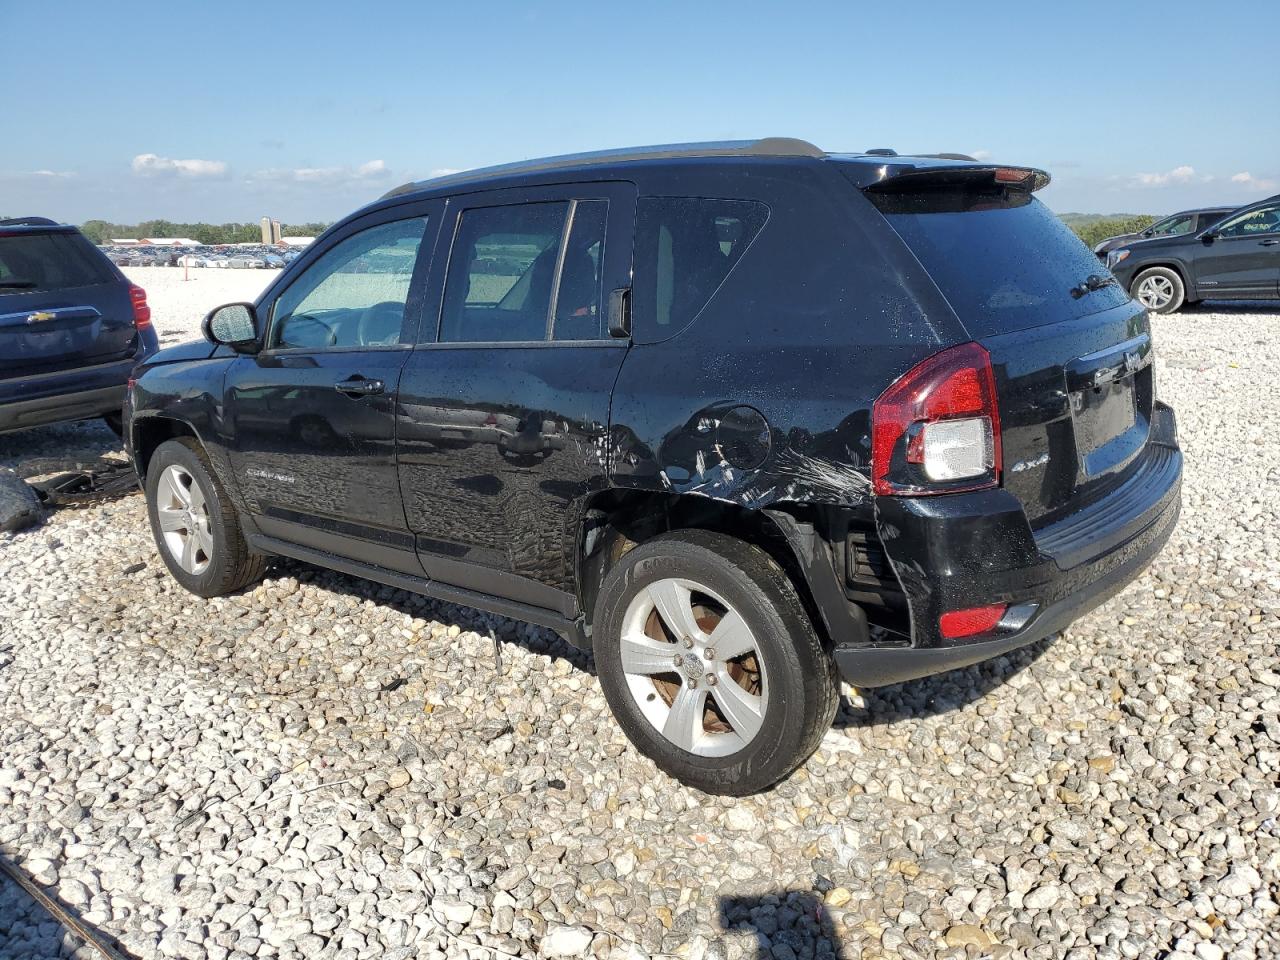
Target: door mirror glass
{"type": "Point", "coordinates": [233, 324]}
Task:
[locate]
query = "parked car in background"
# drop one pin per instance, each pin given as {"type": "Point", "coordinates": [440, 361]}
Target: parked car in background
{"type": "Point", "coordinates": [71, 327]}
{"type": "Point", "coordinates": [1236, 258]}
{"type": "Point", "coordinates": [740, 418]}
{"type": "Point", "coordinates": [1174, 225]}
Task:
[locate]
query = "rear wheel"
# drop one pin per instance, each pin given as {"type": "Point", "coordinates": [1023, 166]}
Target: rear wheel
{"type": "Point", "coordinates": [710, 663]}
{"type": "Point", "coordinates": [196, 527]}
{"type": "Point", "coordinates": [1159, 289]}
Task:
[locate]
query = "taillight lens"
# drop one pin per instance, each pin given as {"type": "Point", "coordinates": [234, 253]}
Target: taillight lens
{"type": "Point", "coordinates": [937, 428]}
{"type": "Point", "coordinates": [141, 311]}
{"type": "Point", "coordinates": [971, 621]}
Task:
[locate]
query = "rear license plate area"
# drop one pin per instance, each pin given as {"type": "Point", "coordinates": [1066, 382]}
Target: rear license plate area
{"type": "Point", "coordinates": [1106, 421]}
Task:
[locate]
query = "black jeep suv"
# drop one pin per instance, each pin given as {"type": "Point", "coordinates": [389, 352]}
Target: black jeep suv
{"type": "Point", "coordinates": [740, 418]}
{"type": "Point", "coordinates": [1237, 258]}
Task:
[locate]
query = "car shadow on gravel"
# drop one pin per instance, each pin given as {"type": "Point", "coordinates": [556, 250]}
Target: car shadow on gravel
{"type": "Point", "coordinates": [795, 919]}
{"type": "Point", "coordinates": [28, 929]}
{"type": "Point", "coordinates": [939, 694]}
{"type": "Point", "coordinates": [1255, 307]}
{"type": "Point", "coordinates": [535, 639]}
{"type": "Point", "coordinates": [63, 443]}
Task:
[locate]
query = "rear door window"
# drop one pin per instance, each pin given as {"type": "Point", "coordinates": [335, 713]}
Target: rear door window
{"type": "Point", "coordinates": [502, 273]}
{"type": "Point", "coordinates": [685, 248]}
{"type": "Point", "coordinates": [528, 272]}
{"type": "Point", "coordinates": [1003, 260]}
{"type": "Point", "coordinates": [38, 262]}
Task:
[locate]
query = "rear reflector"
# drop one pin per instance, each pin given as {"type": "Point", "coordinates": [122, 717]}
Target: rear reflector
{"type": "Point", "coordinates": [141, 311]}
{"type": "Point", "coordinates": [971, 621]}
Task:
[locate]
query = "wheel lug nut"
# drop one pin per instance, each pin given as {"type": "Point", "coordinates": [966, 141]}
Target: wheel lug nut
{"type": "Point", "coordinates": [693, 684]}
{"type": "Point", "coordinates": [688, 643]}
{"type": "Point", "coordinates": [677, 660]}
{"type": "Point", "coordinates": [711, 679]}
{"type": "Point", "coordinates": [708, 654]}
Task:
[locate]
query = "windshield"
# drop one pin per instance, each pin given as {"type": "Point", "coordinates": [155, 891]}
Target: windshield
{"type": "Point", "coordinates": [1002, 259]}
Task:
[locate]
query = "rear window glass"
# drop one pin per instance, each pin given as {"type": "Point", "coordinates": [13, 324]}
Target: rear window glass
{"type": "Point", "coordinates": [49, 261]}
{"type": "Point", "coordinates": [1004, 262]}
{"type": "Point", "coordinates": [685, 247]}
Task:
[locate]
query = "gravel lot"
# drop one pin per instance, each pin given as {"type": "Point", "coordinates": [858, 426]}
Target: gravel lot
{"type": "Point", "coordinates": [322, 767]}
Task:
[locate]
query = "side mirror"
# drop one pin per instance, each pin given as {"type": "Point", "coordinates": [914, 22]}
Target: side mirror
{"type": "Point", "coordinates": [620, 313]}
{"type": "Point", "coordinates": [233, 325]}
{"type": "Point", "coordinates": [1148, 233]}
{"type": "Point", "coordinates": [1209, 236]}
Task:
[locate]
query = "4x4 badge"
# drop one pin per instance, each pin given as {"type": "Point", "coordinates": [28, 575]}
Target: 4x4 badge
{"type": "Point", "coordinates": [40, 316]}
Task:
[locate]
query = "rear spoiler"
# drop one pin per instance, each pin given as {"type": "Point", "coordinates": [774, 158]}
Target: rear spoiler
{"type": "Point", "coordinates": [906, 177]}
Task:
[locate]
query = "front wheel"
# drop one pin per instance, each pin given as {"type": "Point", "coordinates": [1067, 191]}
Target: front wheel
{"type": "Point", "coordinates": [1159, 289]}
{"type": "Point", "coordinates": [195, 525]}
{"type": "Point", "coordinates": [710, 662]}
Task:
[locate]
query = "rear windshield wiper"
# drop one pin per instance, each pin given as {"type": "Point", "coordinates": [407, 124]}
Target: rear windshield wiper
{"type": "Point", "coordinates": [1094, 281]}
{"type": "Point", "coordinates": [17, 284]}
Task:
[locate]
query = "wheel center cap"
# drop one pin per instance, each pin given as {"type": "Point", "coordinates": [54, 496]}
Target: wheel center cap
{"type": "Point", "coordinates": [692, 665]}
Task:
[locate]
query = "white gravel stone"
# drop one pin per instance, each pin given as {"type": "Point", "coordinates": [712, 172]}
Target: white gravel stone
{"type": "Point", "coordinates": [329, 768]}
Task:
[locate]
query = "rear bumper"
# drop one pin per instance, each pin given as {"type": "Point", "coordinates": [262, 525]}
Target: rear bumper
{"type": "Point", "coordinates": [950, 553]}
{"type": "Point", "coordinates": [77, 394]}
{"type": "Point", "coordinates": [81, 405]}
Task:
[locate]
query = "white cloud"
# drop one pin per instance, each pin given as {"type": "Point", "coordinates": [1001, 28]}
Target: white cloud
{"type": "Point", "coordinates": [54, 174]}
{"type": "Point", "coordinates": [1183, 174]}
{"type": "Point", "coordinates": [1254, 183]}
{"type": "Point", "coordinates": [980, 154]}
{"type": "Point", "coordinates": [150, 165]}
{"type": "Point", "coordinates": [372, 170]}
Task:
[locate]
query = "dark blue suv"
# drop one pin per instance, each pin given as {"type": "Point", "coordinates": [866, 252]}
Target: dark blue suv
{"type": "Point", "coordinates": [72, 327]}
{"type": "Point", "coordinates": [739, 418]}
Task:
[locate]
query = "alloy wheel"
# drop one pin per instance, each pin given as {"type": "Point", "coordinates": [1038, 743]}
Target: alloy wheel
{"type": "Point", "coordinates": [183, 515]}
{"type": "Point", "coordinates": [1155, 292]}
{"type": "Point", "coordinates": [693, 667]}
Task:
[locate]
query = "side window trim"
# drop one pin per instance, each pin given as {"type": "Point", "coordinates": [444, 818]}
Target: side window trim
{"type": "Point", "coordinates": [554, 300]}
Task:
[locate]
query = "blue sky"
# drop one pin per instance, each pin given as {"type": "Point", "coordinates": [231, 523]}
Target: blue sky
{"type": "Point", "coordinates": [220, 110]}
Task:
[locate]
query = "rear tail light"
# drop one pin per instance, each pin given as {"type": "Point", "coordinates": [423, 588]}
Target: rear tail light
{"type": "Point", "coordinates": [141, 311]}
{"type": "Point", "coordinates": [937, 428]}
{"type": "Point", "coordinates": [971, 621]}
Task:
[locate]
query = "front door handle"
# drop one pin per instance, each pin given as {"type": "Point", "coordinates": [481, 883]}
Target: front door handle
{"type": "Point", "coordinates": [358, 386]}
{"type": "Point", "coordinates": [1268, 243]}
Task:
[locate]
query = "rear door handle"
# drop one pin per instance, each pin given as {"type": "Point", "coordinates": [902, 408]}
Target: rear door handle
{"type": "Point", "coordinates": [1269, 243]}
{"type": "Point", "coordinates": [358, 386]}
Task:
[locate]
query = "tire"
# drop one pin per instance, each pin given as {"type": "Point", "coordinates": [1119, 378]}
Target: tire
{"type": "Point", "coordinates": [114, 420]}
{"type": "Point", "coordinates": [219, 561]}
{"type": "Point", "coordinates": [784, 691]}
{"type": "Point", "coordinates": [1159, 289]}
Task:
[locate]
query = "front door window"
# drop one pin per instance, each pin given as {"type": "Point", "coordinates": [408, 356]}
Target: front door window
{"type": "Point", "coordinates": [354, 295]}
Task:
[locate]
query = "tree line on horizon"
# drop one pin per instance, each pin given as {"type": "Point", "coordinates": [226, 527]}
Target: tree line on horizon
{"type": "Point", "coordinates": [1092, 228]}
{"type": "Point", "coordinates": [103, 231]}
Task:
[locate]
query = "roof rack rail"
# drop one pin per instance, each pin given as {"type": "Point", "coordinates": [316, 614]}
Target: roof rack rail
{"type": "Point", "coordinates": [881, 152]}
{"type": "Point", "coordinates": [765, 147]}
{"type": "Point", "coordinates": [28, 222]}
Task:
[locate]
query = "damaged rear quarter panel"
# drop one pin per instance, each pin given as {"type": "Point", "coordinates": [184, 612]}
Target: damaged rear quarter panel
{"type": "Point", "coordinates": [765, 397]}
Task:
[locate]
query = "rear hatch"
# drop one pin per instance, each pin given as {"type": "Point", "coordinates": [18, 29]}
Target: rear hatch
{"type": "Point", "coordinates": [62, 303]}
{"type": "Point", "coordinates": [1070, 351]}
